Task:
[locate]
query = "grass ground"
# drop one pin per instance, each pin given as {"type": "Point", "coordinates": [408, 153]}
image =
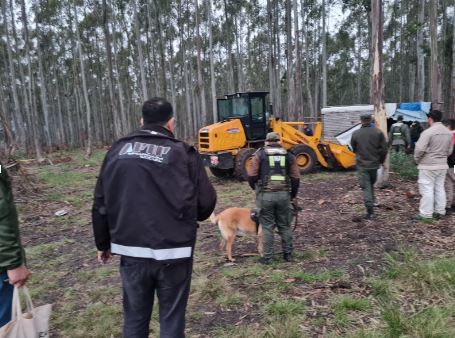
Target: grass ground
{"type": "Point", "coordinates": [388, 278]}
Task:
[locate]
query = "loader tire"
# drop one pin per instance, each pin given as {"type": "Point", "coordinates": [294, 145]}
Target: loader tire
{"type": "Point", "coordinates": [305, 157]}
{"type": "Point", "coordinates": [242, 163]}
{"type": "Point", "coordinates": [222, 173]}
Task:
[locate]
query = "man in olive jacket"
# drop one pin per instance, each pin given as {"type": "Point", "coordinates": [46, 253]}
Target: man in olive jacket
{"type": "Point", "coordinates": [13, 271]}
{"type": "Point", "coordinates": [370, 146]}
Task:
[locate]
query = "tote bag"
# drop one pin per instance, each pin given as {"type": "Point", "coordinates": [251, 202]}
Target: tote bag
{"type": "Point", "coordinates": [33, 323]}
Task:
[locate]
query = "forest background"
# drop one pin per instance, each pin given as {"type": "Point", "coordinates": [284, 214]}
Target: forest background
{"type": "Point", "coordinates": [74, 73]}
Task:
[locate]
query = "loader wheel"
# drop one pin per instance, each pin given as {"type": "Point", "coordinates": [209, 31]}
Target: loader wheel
{"type": "Point", "coordinates": [305, 158]}
{"type": "Point", "coordinates": [243, 163]}
{"type": "Point", "coordinates": [222, 173]}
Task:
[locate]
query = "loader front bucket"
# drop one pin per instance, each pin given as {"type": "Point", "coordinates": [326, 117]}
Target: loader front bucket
{"type": "Point", "coordinates": [343, 155]}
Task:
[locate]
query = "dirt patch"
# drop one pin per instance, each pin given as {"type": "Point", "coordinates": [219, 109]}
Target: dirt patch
{"type": "Point", "coordinates": [334, 254]}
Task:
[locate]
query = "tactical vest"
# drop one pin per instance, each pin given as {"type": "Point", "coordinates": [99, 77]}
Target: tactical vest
{"type": "Point", "coordinates": [273, 169]}
{"type": "Point", "coordinates": [397, 133]}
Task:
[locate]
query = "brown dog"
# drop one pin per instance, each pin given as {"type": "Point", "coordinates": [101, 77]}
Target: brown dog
{"type": "Point", "coordinates": [232, 220]}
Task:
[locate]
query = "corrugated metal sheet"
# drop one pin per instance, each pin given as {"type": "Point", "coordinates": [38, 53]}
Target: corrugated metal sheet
{"type": "Point", "coordinates": [339, 119]}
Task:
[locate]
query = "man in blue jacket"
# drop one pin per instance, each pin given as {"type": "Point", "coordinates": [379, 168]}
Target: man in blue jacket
{"type": "Point", "coordinates": [151, 192]}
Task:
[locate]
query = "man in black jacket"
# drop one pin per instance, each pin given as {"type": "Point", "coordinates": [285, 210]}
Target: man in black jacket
{"type": "Point", "coordinates": [151, 191]}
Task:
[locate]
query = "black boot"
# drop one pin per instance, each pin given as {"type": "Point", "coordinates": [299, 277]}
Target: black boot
{"type": "Point", "coordinates": [369, 214]}
{"type": "Point", "coordinates": [265, 261]}
{"type": "Point", "coordinates": [288, 257]}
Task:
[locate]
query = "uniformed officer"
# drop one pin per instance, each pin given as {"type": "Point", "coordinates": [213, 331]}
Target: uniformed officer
{"type": "Point", "coordinates": [275, 176]}
{"type": "Point", "coordinates": [400, 135]}
{"type": "Point", "coordinates": [151, 191]}
{"type": "Point", "coordinates": [370, 147]}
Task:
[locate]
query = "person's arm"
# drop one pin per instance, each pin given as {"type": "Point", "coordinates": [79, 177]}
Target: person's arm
{"type": "Point", "coordinates": [382, 150]}
{"type": "Point", "coordinates": [421, 147]}
{"type": "Point", "coordinates": [354, 143]}
{"type": "Point", "coordinates": [206, 194]}
{"type": "Point", "coordinates": [99, 220]}
{"type": "Point", "coordinates": [450, 150]}
{"type": "Point", "coordinates": [253, 172]}
{"type": "Point", "coordinates": [12, 255]}
{"type": "Point", "coordinates": [294, 174]}
{"type": "Point", "coordinates": [407, 135]}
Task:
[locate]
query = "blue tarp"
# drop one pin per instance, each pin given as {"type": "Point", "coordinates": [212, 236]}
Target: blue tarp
{"type": "Point", "coordinates": [413, 111]}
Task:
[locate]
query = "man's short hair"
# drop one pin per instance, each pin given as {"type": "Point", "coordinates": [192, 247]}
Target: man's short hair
{"type": "Point", "coordinates": [435, 115]}
{"type": "Point", "coordinates": [450, 123]}
{"type": "Point", "coordinates": [400, 118]}
{"type": "Point", "coordinates": [272, 137]}
{"type": "Point", "coordinates": [365, 118]}
{"type": "Point", "coordinates": [157, 110]}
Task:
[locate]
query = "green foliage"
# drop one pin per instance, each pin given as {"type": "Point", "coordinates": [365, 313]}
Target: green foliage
{"type": "Point", "coordinates": [403, 164]}
{"type": "Point", "coordinates": [285, 308]}
{"type": "Point", "coordinates": [309, 277]}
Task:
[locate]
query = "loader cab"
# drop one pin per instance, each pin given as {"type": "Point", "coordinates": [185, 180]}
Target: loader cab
{"type": "Point", "coordinates": [250, 108]}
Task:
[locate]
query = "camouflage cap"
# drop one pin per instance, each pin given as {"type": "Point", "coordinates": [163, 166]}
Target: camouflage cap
{"type": "Point", "coordinates": [272, 137]}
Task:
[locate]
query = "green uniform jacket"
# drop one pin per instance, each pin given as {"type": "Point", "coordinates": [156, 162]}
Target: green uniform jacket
{"type": "Point", "coordinates": [11, 252]}
{"type": "Point", "coordinates": [370, 146]}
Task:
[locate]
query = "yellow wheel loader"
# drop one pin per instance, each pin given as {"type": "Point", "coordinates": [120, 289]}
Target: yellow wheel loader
{"type": "Point", "coordinates": [227, 146]}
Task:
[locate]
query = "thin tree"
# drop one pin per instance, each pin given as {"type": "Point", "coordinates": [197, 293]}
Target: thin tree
{"type": "Point", "coordinates": [144, 93]}
{"type": "Point", "coordinates": [377, 77]}
{"type": "Point", "coordinates": [31, 86]}
{"type": "Point", "coordinates": [212, 66]}
{"type": "Point", "coordinates": [200, 81]}
{"type": "Point", "coordinates": [435, 72]}
{"type": "Point", "coordinates": [324, 56]}
{"type": "Point", "coordinates": [12, 74]}
{"type": "Point", "coordinates": [88, 149]}
{"type": "Point", "coordinates": [453, 71]}
{"type": "Point", "coordinates": [420, 54]}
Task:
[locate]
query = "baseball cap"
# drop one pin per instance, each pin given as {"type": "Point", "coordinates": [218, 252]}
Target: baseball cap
{"type": "Point", "coordinates": [272, 137]}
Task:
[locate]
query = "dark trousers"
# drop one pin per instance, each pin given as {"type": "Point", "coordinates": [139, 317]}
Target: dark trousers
{"type": "Point", "coordinates": [275, 211]}
{"type": "Point", "coordinates": [6, 298]}
{"type": "Point", "coordinates": [367, 179]}
{"type": "Point", "coordinates": [140, 278]}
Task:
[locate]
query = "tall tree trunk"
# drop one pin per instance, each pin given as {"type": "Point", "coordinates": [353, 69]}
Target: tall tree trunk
{"type": "Point", "coordinates": [435, 71]}
{"type": "Point", "coordinates": [20, 127]}
{"type": "Point", "coordinates": [212, 66]}
{"type": "Point", "coordinates": [62, 140]}
{"type": "Point", "coordinates": [359, 59]}
{"type": "Point", "coordinates": [402, 50]}
{"type": "Point", "coordinates": [324, 56]}
{"type": "Point", "coordinates": [200, 84]}
{"type": "Point", "coordinates": [420, 54]}
{"type": "Point", "coordinates": [298, 70]}
{"type": "Point", "coordinates": [290, 68]}
{"type": "Point", "coordinates": [112, 104]}
{"type": "Point", "coordinates": [88, 151]}
{"type": "Point", "coordinates": [144, 93]}
{"type": "Point", "coordinates": [377, 20]}
{"type": "Point", "coordinates": [9, 139]}
{"type": "Point", "coordinates": [271, 65]}
{"type": "Point", "coordinates": [31, 87]}
{"type": "Point", "coordinates": [453, 71]}
{"type": "Point", "coordinates": [307, 60]}
{"type": "Point", "coordinates": [125, 124]}
{"type": "Point", "coordinates": [161, 44]}
{"type": "Point", "coordinates": [43, 95]}
{"type": "Point", "coordinates": [240, 76]}
{"type": "Point", "coordinates": [279, 104]}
